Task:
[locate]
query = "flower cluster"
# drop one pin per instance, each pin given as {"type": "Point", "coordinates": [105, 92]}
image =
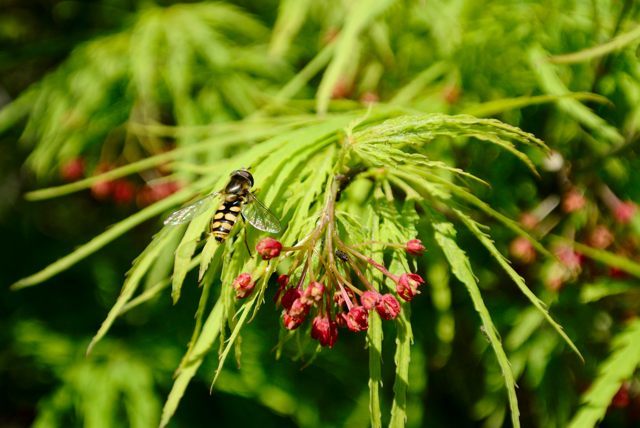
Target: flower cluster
{"type": "Point", "coordinates": [338, 294]}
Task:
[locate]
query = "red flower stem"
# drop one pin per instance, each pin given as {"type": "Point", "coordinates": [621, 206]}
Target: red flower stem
{"type": "Point", "coordinates": [361, 275]}
{"type": "Point", "coordinates": [372, 262]}
{"type": "Point", "coordinates": [345, 296]}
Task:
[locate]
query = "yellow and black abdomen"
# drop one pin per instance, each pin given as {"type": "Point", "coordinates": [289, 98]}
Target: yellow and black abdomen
{"type": "Point", "coordinates": [226, 216]}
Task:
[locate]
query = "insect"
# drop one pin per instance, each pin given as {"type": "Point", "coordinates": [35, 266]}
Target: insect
{"type": "Point", "coordinates": [237, 199]}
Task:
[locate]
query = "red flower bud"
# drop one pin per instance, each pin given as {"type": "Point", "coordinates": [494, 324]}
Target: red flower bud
{"type": "Point", "coordinates": [370, 299]}
{"type": "Point", "coordinates": [338, 297]}
{"type": "Point", "coordinates": [324, 331]}
{"type": "Point", "coordinates": [314, 292]}
{"type": "Point", "coordinates": [621, 399]}
{"type": "Point", "coordinates": [123, 192]}
{"type": "Point", "coordinates": [290, 322]}
{"type": "Point", "coordinates": [357, 319]}
{"type": "Point", "coordinates": [156, 191]}
{"type": "Point", "coordinates": [244, 285]}
{"type": "Point", "coordinates": [269, 248]}
{"type": "Point", "coordinates": [72, 170]}
{"type": "Point", "coordinates": [101, 190]}
{"type": "Point", "coordinates": [407, 285]}
{"type": "Point", "coordinates": [299, 308]}
{"type": "Point", "coordinates": [414, 247]}
{"type": "Point", "coordinates": [290, 296]}
{"type": "Point", "coordinates": [283, 281]}
{"type": "Point", "coordinates": [623, 212]}
{"type": "Point", "coordinates": [341, 319]}
{"type": "Point", "coordinates": [388, 307]}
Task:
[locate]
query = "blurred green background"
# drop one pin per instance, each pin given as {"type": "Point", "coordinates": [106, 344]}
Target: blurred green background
{"type": "Point", "coordinates": [94, 85]}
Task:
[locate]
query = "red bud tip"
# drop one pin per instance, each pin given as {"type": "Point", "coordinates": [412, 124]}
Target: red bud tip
{"type": "Point", "coordinates": [414, 247]}
{"type": "Point", "coordinates": [357, 319]}
{"type": "Point", "coordinates": [269, 248]}
{"type": "Point", "coordinates": [73, 170]}
{"type": "Point", "coordinates": [407, 285]}
{"type": "Point", "coordinates": [370, 299]}
{"type": "Point", "coordinates": [314, 292]}
{"type": "Point", "coordinates": [388, 307]}
{"type": "Point", "coordinates": [324, 331]}
{"type": "Point", "coordinates": [290, 296]}
{"type": "Point", "coordinates": [243, 285]}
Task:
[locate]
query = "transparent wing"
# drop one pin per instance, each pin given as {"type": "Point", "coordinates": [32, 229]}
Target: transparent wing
{"type": "Point", "coordinates": [259, 216]}
{"type": "Point", "coordinates": [187, 213]}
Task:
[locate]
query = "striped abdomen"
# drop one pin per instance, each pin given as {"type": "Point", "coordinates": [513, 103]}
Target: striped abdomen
{"type": "Point", "coordinates": [226, 216]}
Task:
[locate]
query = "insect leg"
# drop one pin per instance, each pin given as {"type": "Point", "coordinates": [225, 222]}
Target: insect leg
{"type": "Point", "coordinates": [244, 235]}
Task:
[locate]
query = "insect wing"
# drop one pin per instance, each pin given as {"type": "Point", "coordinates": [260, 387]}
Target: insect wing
{"type": "Point", "coordinates": [187, 213]}
{"type": "Point", "coordinates": [259, 216]}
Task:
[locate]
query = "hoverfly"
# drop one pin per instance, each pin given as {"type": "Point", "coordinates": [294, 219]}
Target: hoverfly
{"type": "Point", "coordinates": [237, 199]}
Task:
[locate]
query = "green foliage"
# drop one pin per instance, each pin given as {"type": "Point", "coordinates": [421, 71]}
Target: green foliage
{"type": "Point", "coordinates": [365, 125]}
{"type": "Point", "coordinates": [618, 367]}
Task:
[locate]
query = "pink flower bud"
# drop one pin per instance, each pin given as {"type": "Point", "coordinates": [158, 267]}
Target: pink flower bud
{"type": "Point", "coordinates": [573, 201]}
{"type": "Point", "coordinates": [414, 247]}
{"type": "Point", "coordinates": [369, 97]}
{"type": "Point", "coordinates": [324, 331]}
{"type": "Point", "coordinates": [388, 307]}
{"type": "Point", "coordinates": [623, 212]}
{"type": "Point", "coordinates": [569, 258]}
{"type": "Point", "coordinates": [601, 237]}
{"type": "Point", "coordinates": [451, 94]}
{"type": "Point", "coordinates": [290, 296]}
{"type": "Point", "coordinates": [370, 299]}
{"type": "Point", "coordinates": [529, 220]}
{"type": "Point", "coordinates": [269, 248]}
{"type": "Point", "coordinates": [357, 319]}
{"type": "Point", "coordinates": [73, 170]}
{"type": "Point", "coordinates": [407, 285]}
{"type": "Point", "coordinates": [243, 285]}
{"type": "Point", "coordinates": [299, 308]}
{"type": "Point", "coordinates": [314, 292]}
{"type": "Point", "coordinates": [290, 322]}
{"type": "Point", "coordinates": [522, 249]}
